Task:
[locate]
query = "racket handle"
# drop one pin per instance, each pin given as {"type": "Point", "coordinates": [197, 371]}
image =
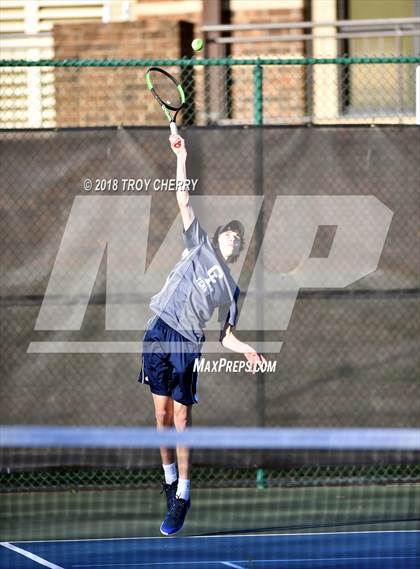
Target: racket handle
{"type": "Point", "coordinates": [173, 127]}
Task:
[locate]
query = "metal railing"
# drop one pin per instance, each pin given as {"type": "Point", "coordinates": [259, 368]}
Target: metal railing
{"type": "Point", "coordinates": [346, 29]}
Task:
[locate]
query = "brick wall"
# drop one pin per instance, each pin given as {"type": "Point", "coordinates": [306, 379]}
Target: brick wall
{"type": "Point", "coordinates": [263, 49]}
{"type": "Point", "coordinates": [284, 87]}
{"type": "Point", "coordinates": [110, 96]}
{"type": "Point", "coordinates": [88, 97]}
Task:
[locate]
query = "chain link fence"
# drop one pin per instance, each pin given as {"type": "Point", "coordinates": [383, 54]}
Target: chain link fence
{"type": "Point", "coordinates": [59, 477]}
{"type": "Point", "coordinates": [48, 93]}
{"type": "Point", "coordinates": [350, 355]}
{"type": "Point", "coordinates": [257, 132]}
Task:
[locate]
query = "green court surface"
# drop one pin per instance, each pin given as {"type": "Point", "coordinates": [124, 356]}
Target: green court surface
{"type": "Point", "coordinates": [79, 514]}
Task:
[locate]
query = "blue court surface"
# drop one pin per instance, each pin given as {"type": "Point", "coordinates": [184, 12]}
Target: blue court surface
{"type": "Point", "coordinates": [341, 550]}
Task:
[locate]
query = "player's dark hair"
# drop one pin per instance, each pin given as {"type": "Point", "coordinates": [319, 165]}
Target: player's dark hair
{"type": "Point", "coordinates": [215, 243]}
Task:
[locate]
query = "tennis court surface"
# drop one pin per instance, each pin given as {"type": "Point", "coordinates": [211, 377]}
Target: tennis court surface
{"type": "Point", "coordinates": [344, 550]}
{"type": "Point", "coordinates": [90, 497]}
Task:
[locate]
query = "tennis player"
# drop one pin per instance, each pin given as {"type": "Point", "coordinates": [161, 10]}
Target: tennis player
{"type": "Point", "coordinates": [198, 284]}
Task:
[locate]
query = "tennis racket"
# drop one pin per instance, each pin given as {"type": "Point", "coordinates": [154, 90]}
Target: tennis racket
{"type": "Point", "coordinates": [168, 92]}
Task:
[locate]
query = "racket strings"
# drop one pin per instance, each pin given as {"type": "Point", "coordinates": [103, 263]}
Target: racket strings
{"type": "Point", "coordinates": [166, 90]}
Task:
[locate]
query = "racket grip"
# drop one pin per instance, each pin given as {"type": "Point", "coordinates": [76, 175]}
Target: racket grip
{"type": "Point", "coordinates": [173, 127]}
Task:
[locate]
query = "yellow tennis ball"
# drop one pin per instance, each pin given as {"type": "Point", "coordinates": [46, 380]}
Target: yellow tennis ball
{"type": "Point", "coordinates": [197, 44]}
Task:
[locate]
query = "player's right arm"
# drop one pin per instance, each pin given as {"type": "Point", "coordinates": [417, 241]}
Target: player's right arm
{"type": "Point", "coordinates": [182, 194]}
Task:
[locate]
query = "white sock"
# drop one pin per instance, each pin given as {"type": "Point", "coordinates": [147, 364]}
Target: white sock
{"type": "Point", "coordinates": [183, 490]}
{"type": "Point", "coordinates": [170, 472]}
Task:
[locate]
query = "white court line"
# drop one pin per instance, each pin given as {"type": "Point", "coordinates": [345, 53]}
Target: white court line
{"type": "Point", "coordinates": [161, 563]}
{"type": "Point", "coordinates": [225, 535]}
{"type": "Point", "coordinates": [283, 560]}
{"type": "Point", "coordinates": [30, 555]}
{"type": "Point", "coordinates": [229, 564]}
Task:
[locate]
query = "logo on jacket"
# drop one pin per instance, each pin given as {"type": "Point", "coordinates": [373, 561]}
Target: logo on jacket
{"type": "Point", "coordinates": [214, 273]}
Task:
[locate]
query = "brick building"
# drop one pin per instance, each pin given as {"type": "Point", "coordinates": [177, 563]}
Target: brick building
{"type": "Point", "coordinates": [150, 29]}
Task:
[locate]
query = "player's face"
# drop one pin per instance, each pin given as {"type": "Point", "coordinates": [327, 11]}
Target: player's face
{"type": "Point", "coordinates": [229, 243]}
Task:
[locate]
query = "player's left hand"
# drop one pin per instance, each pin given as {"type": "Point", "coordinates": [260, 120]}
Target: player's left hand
{"type": "Point", "coordinates": [254, 358]}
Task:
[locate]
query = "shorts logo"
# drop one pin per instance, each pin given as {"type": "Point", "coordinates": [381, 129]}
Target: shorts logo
{"type": "Point", "coordinates": [214, 273]}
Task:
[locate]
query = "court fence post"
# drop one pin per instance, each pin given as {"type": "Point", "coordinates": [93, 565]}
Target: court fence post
{"type": "Point", "coordinates": [258, 93]}
{"type": "Point", "coordinates": [259, 234]}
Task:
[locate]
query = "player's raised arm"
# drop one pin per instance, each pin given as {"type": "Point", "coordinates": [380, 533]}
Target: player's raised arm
{"type": "Point", "coordinates": [231, 342]}
{"type": "Point", "coordinates": [182, 194]}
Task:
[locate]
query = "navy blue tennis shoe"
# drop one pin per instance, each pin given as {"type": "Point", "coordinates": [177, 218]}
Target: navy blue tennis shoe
{"type": "Point", "coordinates": [170, 491]}
{"type": "Point", "coordinates": [175, 517]}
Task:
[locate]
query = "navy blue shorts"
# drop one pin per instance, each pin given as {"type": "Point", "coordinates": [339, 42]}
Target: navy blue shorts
{"type": "Point", "coordinates": [168, 363]}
